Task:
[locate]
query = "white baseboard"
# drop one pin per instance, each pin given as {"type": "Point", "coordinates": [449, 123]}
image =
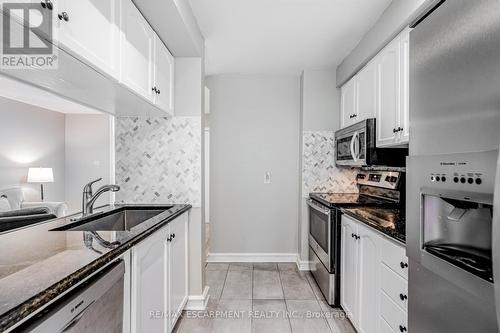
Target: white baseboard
{"type": "Point", "coordinates": [252, 257]}
{"type": "Point", "coordinates": [198, 302]}
{"type": "Point", "coordinates": [303, 265]}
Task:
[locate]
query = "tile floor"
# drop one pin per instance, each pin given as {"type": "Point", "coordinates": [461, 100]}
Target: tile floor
{"type": "Point", "coordinates": [269, 298]}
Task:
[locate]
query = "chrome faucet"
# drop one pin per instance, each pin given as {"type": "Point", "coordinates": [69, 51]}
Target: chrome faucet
{"type": "Point", "coordinates": [89, 197]}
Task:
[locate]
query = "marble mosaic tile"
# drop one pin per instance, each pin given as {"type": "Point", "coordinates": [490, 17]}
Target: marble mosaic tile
{"type": "Point", "coordinates": [319, 172]}
{"type": "Point", "coordinates": [158, 160]}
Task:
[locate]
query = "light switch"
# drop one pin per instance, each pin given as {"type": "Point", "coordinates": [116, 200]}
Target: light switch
{"type": "Point", "coordinates": [267, 177]}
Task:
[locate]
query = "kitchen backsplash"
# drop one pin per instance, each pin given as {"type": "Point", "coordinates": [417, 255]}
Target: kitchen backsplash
{"type": "Point", "coordinates": [158, 160]}
{"type": "Point", "coordinates": [319, 172]}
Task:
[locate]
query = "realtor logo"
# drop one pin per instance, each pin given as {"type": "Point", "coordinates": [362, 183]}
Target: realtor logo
{"type": "Point", "coordinates": [27, 37]}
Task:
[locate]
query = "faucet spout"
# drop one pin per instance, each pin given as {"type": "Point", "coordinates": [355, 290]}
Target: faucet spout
{"type": "Point", "coordinates": [89, 197]}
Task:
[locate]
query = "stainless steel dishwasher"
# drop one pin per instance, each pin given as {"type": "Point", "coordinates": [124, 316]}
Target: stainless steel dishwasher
{"type": "Point", "coordinates": [95, 306]}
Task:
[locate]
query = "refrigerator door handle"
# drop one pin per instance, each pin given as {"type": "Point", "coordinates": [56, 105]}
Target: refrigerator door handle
{"type": "Point", "coordinates": [496, 239]}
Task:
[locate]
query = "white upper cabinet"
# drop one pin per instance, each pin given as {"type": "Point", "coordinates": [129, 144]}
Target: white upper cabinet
{"type": "Point", "coordinates": [404, 110]}
{"type": "Point", "coordinates": [90, 29]}
{"type": "Point", "coordinates": [164, 77]}
{"type": "Point", "coordinates": [387, 94]}
{"type": "Point", "coordinates": [348, 103]}
{"type": "Point", "coordinates": [381, 90]}
{"type": "Point", "coordinates": [393, 115]}
{"type": "Point", "coordinates": [366, 92]}
{"type": "Point", "coordinates": [137, 51]}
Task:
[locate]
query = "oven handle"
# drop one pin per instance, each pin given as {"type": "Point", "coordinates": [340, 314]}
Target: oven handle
{"type": "Point", "coordinates": [318, 208]}
{"type": "Point", "coordinates": [353, 143]}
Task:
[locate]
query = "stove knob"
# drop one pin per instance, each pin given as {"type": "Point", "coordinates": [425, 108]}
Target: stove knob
{"type": "Point", "coordinates": [470, 181]}
{"type": "Point", "coordinates": [455, 179]}
{"type": "Point", "coordinates": [443, 179]}
{"type": "Point", "coordinates": [438, 178]}
{"type": "Point", "coordinates": [479, 181]}
{"type": "Point", "coordinates": [463, 180]}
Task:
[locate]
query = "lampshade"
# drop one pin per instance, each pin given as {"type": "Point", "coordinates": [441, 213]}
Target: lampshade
{"type": "Point", "coordinates": [40, 175]}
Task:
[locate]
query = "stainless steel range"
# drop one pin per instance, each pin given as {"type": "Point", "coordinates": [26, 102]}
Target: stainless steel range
{"type": "Point", "coordinates": [376, 189]}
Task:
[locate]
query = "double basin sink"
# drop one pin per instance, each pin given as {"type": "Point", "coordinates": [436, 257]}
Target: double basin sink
{"type": "Point", "coordinates": [119, 219]}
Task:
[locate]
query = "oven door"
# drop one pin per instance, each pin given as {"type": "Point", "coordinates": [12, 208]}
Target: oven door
{"type": "Point", "coordinates": [320, 232]}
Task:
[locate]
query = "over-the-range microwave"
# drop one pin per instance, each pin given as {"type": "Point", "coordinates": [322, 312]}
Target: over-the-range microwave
{"type": "Point", "coordinates": [356, 146]}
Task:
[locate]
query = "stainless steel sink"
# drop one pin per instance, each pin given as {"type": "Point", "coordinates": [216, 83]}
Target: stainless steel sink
{"type": "Point", "coordinates": [121, 219]}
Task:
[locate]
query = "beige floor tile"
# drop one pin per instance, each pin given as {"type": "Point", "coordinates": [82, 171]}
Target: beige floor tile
{"type": "Point", "coordinates": [238, 285]}
{"type": "Point", "coordinates": [295, 286]}
{"type": "Point", "coordinates": [267, 284]}
{"type": "Point", "coordinates": [270, 316]}
{"type": "Point", "coordinates": [237, 317]}
{"type": "Point", "coordinates": [307, 317]}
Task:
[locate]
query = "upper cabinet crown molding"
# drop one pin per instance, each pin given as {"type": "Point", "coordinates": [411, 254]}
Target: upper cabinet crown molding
{"type": "Point", "coordinates": [381, 90]}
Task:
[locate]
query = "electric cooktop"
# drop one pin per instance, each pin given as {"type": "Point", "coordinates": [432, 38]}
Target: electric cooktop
{"type": "Point", "coordinates": [333, 200]}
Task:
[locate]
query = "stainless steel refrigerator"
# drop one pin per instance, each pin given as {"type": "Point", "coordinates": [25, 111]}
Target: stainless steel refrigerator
{"type": "Point", "coordinates": [453, 231]}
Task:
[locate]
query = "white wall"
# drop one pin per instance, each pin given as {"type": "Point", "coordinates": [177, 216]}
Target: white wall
{"type": "Point", "coordinates": [393, 20]}
{"type": "Point", "coordinates": [31, 137]}
{"type": "Point", "coordinates": [320, 101]}
{"type": "Point", "coordinates": [320, 118]}
{"type": "Point", "coordinates": [89, 155]}
{"type": "Point", "coordinates": [254, 128]}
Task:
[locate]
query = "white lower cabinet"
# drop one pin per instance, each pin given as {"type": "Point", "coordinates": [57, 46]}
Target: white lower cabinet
{"type": "Point", "coordinates": [159, 278]}
{"type": "Point", "coordinates": [366, 279]}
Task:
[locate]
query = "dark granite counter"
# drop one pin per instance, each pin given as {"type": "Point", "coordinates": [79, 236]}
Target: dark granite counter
{"type": "Point", "coordinates": [388, 221]}
{"type": "Point", "coordinates": [37, 265]}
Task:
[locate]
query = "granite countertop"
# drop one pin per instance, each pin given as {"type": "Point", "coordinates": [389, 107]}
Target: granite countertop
{"type": "Point", "coordinates": [37, 265]}
{"type": "Point", "coordinates": [390, 222]}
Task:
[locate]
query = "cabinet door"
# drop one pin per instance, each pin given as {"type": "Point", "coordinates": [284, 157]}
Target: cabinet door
{"type": "Point", "coordinates": [387, 94]}
{"type": "Point", "coordinates": [369, 280]}
{"type": "Point", "coordinates": [92, 32]}
{"type": "Point", "coordinates": [348, 103]}
{"type": "Point", "coordinates": [178, 267]}
{"type": "Point", "coordinates": [164, 77]}
{"type": "Point", "coordinates": [404, 113]}
{"type": "Point", "coordinates": [149, 284]}
{"type": "Point", "coordinates": [349, 269]}
{"type": "Point", "coordinates": [137, 51]}
{"type": "Point", "coordinates": [366, 90]}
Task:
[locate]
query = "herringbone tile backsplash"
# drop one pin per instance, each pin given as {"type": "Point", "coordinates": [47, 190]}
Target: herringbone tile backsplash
{"type": "Point", "coordinates": [158, 160]}
{"type": "Point", "coordinates": [319, 172]}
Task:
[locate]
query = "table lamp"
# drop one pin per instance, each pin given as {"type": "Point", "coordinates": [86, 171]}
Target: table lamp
{"type": "Point", "coordinates": [40, 175]}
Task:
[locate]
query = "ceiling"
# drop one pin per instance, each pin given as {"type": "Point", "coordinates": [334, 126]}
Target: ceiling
{"type": "Point", "coordinates": [282, 36]}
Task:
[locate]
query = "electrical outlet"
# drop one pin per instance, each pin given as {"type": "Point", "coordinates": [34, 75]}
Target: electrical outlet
{"type": "Point", "coordinates": [267, 177]}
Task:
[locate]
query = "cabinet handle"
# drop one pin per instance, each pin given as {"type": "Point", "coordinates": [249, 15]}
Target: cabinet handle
{"type": "Point", "coordinates": [43, 4]}
{"type": "Point", "coordinates": [49, 5]}
{"type": "Point", "coordinates": [358, 237]}
{"type": "Point", "coordinates": [402, 328]}
{"type": "Point", "coordinates": [154, 89]}
{"type": "Point", "coordinates": [172, 235]}
{"type": "Point", "coordinates": [403, 297]}
{"type": "Point", "coordinates": [169, 239]}
{"type": "Point", "coordinates": [352, 235]}
{"type": "Point", "coordinates": [158, 91]}
{"type": "Point", "coordinates": [403, 265]}
{"type": "Point", "coordinates": [394, 130]}
{"type": "Point", "coordinates": [400, 129]}
{"type": "Point", "coordinates": [63, 16]}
